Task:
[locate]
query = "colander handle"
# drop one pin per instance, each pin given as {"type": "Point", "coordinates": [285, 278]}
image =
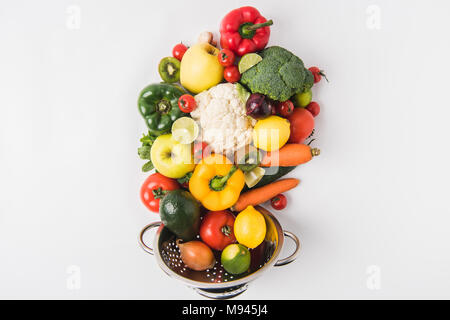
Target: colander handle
{"type": "Point", "coordinates": [141, 236]}
{"type": "Point", "coordinates": [294, 255]}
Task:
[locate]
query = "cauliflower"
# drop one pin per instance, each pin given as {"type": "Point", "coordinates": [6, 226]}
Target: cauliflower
{"type": "Point", "coordinates": [222, 118]}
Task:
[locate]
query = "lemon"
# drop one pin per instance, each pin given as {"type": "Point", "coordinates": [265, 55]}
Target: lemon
{"type": "Point", "coordinates": [271, 133]}
{"type": "Point", "coordinates": [185, 130]}
{"type": "Point", "coordinates": [254, 176]}
{"type": "Point", "coordinates": [247, 61]}
{"type": "Point", "coordinates": [250, 227]}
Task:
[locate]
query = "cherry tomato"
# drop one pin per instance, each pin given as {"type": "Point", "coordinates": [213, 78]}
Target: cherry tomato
{"type": "Point", "coordinates": [187, 103]}
{"type": "Point", "coordinates": [201, 150]}
{"type": "Point", "coordinates": [302, 125]}
{"type": "Point", "coordinates": [314, 108]}
{"type": "Point", "coordinates": [285, 109]}
{"type": "Point", "coordinates": [318, 74]}
{"type": "Point", "coordinates": [226, 57]}
{"type": "Point", "coordinates": [279, 202]}
{"type": "Point", "coordinates": [231, 74]}
{"type": "Point", "coordinates": [178, 51]}
{"type": "Point", "coordinates": [154, 189]}
{"type": "Point", "coordinates": [216, 229]}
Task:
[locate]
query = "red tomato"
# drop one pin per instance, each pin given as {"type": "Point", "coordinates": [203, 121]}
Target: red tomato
{"type": "Point", "coordinates": [154, 188]}
{"type": "Point", "coordinates": [279, 202]}
{"type": "Point", "coordinates": [302, 125]}
{"type": "Point", "coordinates": [201, 150]}
{"type": "Point", "coordinates": [285, 109]}
{"type": "Point", "coordinates": [187, 103]}
{"type": "Point", "coordinates": [318, 74]}
{"type": "Point", "coordinates": [179, 51]}
{"type": "Point", "coordinates": [231, 74]}
{"type": "Point", "coordinates": [226, 57]}
{"type": "Point", "coordinates": [216, 229]}
{"type": "Point", "coordinates": [314, 108]}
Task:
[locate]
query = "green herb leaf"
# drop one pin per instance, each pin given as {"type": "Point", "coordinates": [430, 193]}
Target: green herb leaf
{"type": "Point", "coordinates": [185, 179]}
{"type": "Point", "coordinates": [147, 140]}
{"type": "Point", "coordinates": [147, 167]}
{"type": "Point", "coordinates": [144, 152]}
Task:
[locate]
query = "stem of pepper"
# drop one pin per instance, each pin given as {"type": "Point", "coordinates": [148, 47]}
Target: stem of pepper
{"type": "Point", "coordinates": [247, 30]}
{"type": "Point", "coordinates": [218, 182]}
{"type": "Point", "coordinates": [259, 25]}
{"type": "Point", "coordinates": [163, 106]}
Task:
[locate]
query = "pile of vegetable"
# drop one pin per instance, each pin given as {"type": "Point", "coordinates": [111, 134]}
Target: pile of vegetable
{"type": "Point", "coordinates": [208, 197]}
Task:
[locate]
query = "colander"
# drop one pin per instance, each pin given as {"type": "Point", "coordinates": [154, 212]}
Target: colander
{"type": "Point", "coordinates": [216, 283]}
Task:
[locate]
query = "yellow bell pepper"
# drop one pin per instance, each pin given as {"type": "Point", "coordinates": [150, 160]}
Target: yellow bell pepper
{"type": "Point", "coordinates": [216, 183]}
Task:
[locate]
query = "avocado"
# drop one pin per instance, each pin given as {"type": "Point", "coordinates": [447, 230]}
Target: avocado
{"type": "Point", "coordinates": [180, 213]}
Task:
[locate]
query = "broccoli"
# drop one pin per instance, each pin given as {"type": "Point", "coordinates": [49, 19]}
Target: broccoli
{"type": "Point", "coordinates": [279, 75]}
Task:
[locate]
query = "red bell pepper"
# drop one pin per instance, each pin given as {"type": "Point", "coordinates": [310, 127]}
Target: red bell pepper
{"type": "Point", "coordinates": [244, 30]}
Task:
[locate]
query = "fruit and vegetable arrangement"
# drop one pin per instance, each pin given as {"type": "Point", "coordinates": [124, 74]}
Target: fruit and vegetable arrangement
{"type": "Point", "coordinates": [230, 119]}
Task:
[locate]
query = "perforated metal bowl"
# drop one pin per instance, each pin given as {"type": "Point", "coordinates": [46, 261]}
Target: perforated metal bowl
{"type": "Point", "coordinates": [216, 283]}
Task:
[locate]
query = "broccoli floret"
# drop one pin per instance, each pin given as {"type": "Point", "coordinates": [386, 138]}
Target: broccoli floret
{"type": "Point", "coordinates": [279, 75]}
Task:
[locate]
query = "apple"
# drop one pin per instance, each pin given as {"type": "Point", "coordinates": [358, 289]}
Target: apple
{"type": "Point", "coordinates": [171, 158]}
{"type": "Point", "coordinates": [200, 69]}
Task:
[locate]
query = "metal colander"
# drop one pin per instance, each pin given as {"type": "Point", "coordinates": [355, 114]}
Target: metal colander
{"type": "Point", "coordinates": [216, 282]}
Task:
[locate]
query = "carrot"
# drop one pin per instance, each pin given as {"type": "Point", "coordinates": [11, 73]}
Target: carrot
{"type": "Point", "coordinates": [290, 155]}
{"type": "Point", "coordinates": [265, 193]}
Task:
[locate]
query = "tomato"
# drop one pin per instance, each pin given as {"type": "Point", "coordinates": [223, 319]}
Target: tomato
{"type": "Point", "coordinates": [216, 229]}
{"type": "Point", "coordinates": [201, 150]}
{"type": "Point", "coordinates": [302, 125]}
{"type": "Point", "coordinates": [314, 108]}
{"type": "Point", "coordinates": [154, 188]}
{"type": "Point", "coordinates": [231, 74]}
{"type": "Point", "coordinates": [226, 57]}
{"type": "Point", "coordinates": [285, 109]}
{"type": "Point", "coordinates": [187, 103]}
{"type": "Point", "coordinates": [318, 74]}
{"type": "Point", "coordinates": [279, 202]}
{"type": "Point", "coordinates": [179, 51]}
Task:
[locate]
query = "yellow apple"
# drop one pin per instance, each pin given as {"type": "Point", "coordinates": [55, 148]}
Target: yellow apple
{"type": "Point", "coordinates": [200, 68]}
{"type": "Point", "coordinates": [171, 158]}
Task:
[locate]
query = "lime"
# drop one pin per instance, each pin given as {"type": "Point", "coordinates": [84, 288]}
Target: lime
{"type": "Point", "coordinates": [235, 258]}
{"type": "Point", "coordinates": [242, 93]}
{"type": "Point", "coordinates": [185, 130]}
{"type": "Point", "coordinates": [248, 61]}
{"type": "Point", "coordinates": [303, 99]}
{"type": "Point", "coordinates": [254, 176]}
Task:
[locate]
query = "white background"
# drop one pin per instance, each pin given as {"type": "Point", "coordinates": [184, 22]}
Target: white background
{"type": "Point", "coordinates": [372, 211]}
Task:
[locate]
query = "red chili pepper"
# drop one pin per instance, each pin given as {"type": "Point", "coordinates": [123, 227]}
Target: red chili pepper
{"type": "Point", "coordinates": [244, 30]}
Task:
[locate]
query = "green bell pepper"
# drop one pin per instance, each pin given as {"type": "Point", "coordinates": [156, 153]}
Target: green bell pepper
{"type": "Point", "coordinates": [158, 104]}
